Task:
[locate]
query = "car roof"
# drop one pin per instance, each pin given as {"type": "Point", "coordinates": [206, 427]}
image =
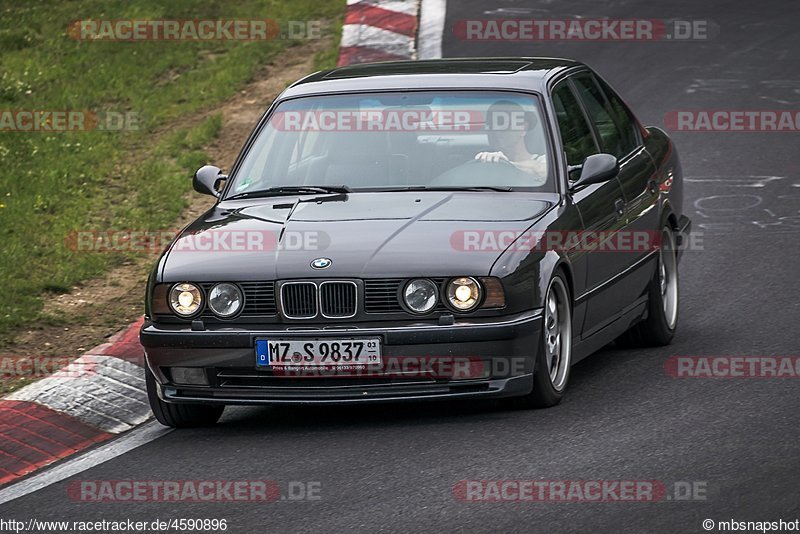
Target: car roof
{"type": "Point", "coordinates": [520, 73]}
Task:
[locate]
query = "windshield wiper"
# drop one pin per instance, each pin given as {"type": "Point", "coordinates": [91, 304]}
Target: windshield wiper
{"type": "Point", "coordinates": [449, 188]}
{"type": "Point", "coordinates": [292, 190]}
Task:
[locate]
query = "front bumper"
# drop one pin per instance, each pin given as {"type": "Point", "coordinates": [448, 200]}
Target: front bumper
{"type": "Point", "coordinates": [501, 352]}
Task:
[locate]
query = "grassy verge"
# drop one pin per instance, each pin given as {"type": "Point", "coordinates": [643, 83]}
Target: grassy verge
{"type": "Point", "coordinates": [57, 183]}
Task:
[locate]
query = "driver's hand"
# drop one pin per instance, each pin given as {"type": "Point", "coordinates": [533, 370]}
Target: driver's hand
{"type": "Point", "coordinates": [491, 157]}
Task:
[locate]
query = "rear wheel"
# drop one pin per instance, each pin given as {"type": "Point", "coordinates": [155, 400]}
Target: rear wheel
{"type": "Point", "coordinates": [179, 415]}
{"type": "Point", "coordinates": [662, 307]}
{"type": "Point", "coordinates": [554, 356]}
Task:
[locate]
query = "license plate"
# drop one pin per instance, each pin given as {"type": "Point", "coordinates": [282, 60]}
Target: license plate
{"type": "Point", "coordinates": [315, 353]}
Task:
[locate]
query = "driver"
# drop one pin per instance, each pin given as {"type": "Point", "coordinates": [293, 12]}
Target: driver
{"type": "Point", "coordinates": [507, 124]}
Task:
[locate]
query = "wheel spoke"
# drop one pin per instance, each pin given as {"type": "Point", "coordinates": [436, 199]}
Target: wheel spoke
{"type": "Point", "coordinates": [668, 278]}
{"type": "Point", "coordinates": [557, 346]}
{"type": "Point", "coordinates": [557, 331]}
{"type": "Point", "coordinates": [552, 312]}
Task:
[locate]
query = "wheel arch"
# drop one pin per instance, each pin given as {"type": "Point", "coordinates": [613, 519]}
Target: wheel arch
{"type": "Point", "coordinates": [551, 263]}
{"type": "Point", "coordinates": [565, 268]}
{"type": "Point", "coordinates": [668, 217]}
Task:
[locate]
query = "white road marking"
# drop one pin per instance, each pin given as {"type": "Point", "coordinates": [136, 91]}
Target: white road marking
{"type": "Point", "coordinates": [136, 438]}
{"type": "Point", "coordinates": [717, 85]}
{"type": "Point", "coordinates": [431, 29]}
{"type": "Point", "coordinates": [735, 181]}
{"type": "Point", "coordinates": [778, 100]}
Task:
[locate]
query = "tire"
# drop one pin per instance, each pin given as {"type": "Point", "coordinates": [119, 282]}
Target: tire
{"type": "Point", "coordinates": [179, 415]}
{"type": "Point", "coordinates": [659, 327]}
{"type": "Point", "coordinates": [554, 357]}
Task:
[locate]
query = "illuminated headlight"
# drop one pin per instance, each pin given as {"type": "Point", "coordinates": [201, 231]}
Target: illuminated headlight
{"type": "Point", "coordinates": [464, 293]}
{"type": "Point", "coordinates": [420, 295]}
{"type": "Point", "coordinates": [185, 299]}
{"type": "Point", "coordinates": [225, 299]}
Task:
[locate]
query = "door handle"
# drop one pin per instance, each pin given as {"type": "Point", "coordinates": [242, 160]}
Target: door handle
{"type": "Point", "coordinates": [619, 204]}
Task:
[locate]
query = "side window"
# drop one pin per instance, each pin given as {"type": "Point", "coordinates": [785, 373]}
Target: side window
{"type": "Point", "coordinates": [623, 117]}
{"type": "Point", "coordinates": [614, 125]}
{"type": "Point", "coordinates": [576, 134]}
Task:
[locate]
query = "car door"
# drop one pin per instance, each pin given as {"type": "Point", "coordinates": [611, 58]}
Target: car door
{"type": "Point", "coordinates": [601, 207]}
{"type": "Point", "coordinates": [618, 135]}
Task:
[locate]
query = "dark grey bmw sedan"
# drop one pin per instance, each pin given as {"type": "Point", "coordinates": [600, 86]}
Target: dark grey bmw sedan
{"type": "Point", "coordinates": [408, 231]}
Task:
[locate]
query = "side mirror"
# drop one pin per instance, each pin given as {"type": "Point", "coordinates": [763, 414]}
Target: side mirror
{"type": "Point", "coordinates": [206, 180]}
{"type": "Point", "coordinates": [596, 169]}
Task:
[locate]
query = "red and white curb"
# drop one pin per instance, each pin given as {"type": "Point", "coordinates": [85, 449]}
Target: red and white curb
{"type": "Point", "coordinates": [379, 30]}
{"type": "Point", "coordinates": [99, 395]}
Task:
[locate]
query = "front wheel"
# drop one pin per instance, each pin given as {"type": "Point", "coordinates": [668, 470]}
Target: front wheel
{"type": "Point", "coordinates": [554, 356]}
{"type": "Point", "coordinates": [179, 415]}
{"type": "Point", "coordinates": [662, 307]}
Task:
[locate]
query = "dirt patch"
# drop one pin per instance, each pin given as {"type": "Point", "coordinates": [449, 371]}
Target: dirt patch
{"type": "Point", "coordinates": [98, 308]}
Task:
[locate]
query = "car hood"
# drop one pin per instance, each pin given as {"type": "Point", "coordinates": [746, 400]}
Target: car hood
{"type": "Point", "coordinates": [365, 235]}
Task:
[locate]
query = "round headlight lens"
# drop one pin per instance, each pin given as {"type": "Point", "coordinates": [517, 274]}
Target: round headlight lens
{"type": "Point", "coordinates": [185, 299]}
{"type": "Point", "coordinates": [463, 293]}
{"type": "Point", "coordinates": [420, 295]}
{"type": "Point", "coordinates": [225, 299]}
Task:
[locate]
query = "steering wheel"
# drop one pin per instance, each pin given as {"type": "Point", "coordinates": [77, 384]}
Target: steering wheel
{"type": "Point", "coordinates": [501, 160]}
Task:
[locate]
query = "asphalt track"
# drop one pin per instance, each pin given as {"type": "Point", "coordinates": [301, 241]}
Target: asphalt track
{"type": "Point", "coordinates": [393, 468]}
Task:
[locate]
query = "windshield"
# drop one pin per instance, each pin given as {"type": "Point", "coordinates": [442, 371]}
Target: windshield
{"type": "Point", "coordinates": [388, 141]}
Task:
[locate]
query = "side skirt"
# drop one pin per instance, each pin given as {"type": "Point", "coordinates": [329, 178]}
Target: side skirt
{"type": "Point", "coordinates": [630, 315]}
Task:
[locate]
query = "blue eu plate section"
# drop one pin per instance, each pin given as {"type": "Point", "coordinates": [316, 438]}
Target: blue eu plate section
{"type": "Point", "coordinates": [262, 353]}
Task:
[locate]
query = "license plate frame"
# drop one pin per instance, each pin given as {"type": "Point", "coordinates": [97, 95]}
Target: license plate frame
{"type": "Point", "coordinates": [308, 353]}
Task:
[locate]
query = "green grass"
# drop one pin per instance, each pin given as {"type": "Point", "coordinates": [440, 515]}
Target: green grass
{"type": "Point", "coordinates": [56, 183]}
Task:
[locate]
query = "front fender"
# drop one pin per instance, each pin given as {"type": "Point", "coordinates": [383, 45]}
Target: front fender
{"type": "Point", "coordinates": [528, 274]}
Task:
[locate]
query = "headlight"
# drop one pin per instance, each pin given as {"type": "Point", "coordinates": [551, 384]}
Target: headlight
{"type": "Point", "coordinates": [464, 293]}
{"type": "Point", "coordinates": [185, 299]}
{"type": "Point", "coordinates": [225, 299]}
{"type": "Point", "coordinates": [421, 295]}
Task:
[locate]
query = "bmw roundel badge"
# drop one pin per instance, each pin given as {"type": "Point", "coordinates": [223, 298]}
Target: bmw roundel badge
{"type": "Point", "coordinates": [321, 263]}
